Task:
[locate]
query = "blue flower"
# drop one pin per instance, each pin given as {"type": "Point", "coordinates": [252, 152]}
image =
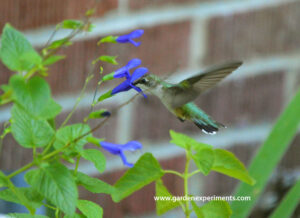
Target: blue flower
{"type": "Point", "coordinates": [128, 83]}
{"type": "Point", "coordinates": [118, 149]}
{"type": "Point", "coordinates": [128, 37]}
{"type": "Point", "coordinates": [124, 71]}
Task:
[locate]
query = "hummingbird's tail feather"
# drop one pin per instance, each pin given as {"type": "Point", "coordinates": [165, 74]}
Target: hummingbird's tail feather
{"type": "Point", "coordinates": [204, 122]}
{"type": "Point", "coordinates": [207, 127]}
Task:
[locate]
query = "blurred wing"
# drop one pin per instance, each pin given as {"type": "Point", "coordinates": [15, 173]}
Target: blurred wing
{"type": "Point", "coordinates": [189, 89]}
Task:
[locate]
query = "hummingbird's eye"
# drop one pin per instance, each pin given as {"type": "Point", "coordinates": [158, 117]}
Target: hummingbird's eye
{"type": "Point", "coordinates": [144, 81]}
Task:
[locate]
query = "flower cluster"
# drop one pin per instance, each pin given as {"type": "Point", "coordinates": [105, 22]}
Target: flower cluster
{"type": "Point", "coordinates": [127, 84]}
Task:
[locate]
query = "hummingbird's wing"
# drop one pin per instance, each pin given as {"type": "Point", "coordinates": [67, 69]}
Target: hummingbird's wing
{"type": "Point", "coordinates": [189, 89]}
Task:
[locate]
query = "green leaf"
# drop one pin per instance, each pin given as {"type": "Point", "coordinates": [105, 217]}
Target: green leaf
{"type": "Point", "coordinates": [34, 96]}
{"type": "Point", "coordinates": [94, 185]}
{"type": "Point", "coordinates": [53, 59]}
{"type": "Point", "coordinates": [33, 198]}
{"type": "Point", "coordinates": [16, 52]}
{"type": "Point", "coordinates": [75, 215]}
{"type": "Point", "coordinates": [57, 184]}
{"type": "Point", "coordinates": [24, 215]}
{"type": "Point", "coordinates": [268, 156]}
{"type": "Point", "coordinates": [108, 39]}
{"type": "Point", "coordinates": [228, 164]}
{"type": "Point", "coordinates": [96, 157]}
{"type": "Point", "coordinates": [145, 171]}
{"type": "Point", "coordinates": [90, 209]}
{"type": "Point", "coordinates": [105, 96]}
{"type": "Point", "coordinates": [185, 141]}
{"type": "Point", "coordinates": [69, 134]}
{"type": "Point", "coordinates": [3, 180]}
{"type": "Point", "coordinates": [163, 206]}
{"type": "Point", "coordinates": [289, 203]}
{"type": "Point", "coordinates": [204, 160]}
{"type": "Point", "coordinates": [70, 24]}
{"type": "Point", "coordinates": [197, 210]}
{"type": "Point", "coordinates": [28, 131]}
{"type": "Point", "coordinates": [6, 97]}
{"type": "Point", "coordinates": [59, 43]}
{"type": "Point", "coordinates": [50, 111]}
{"type": "Point", "coordinates": [213, 209]}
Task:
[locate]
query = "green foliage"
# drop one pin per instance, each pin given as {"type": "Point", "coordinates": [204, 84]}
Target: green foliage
{"type": "Point", "coordinates": [145, 171]}
{"type": "Point", "coordinates": [16, 52]}
{"type": "Point", "coordinates": [90, 209]}
{"type": "Point", "coordinates": [96, 157]}
{"type": "Point", "coordinates": [213, 209]}
{"type": "Point", "coordinates": [289, 202]}
{"type": "Point", "coordinates": [93, 185]}
{"type": "Point", "coordinates": [33, 198]}
{"type": "Point", "coordinates": [34, 96]}
{"type": "Point", "coordinates": [56, 184]}
{"type": "Point", "coordinates": [206, 158]}
{"type": "Point", "coordinates": [53, 59]}
{"type": "Point", "coordinates": [3, 180]}
{"type": "Point", "coordinates": [163, 206]}
{"type": "Point", "coordinates": [186, 142]}
{"type": "Point", "coordinates": [57, 44]}
{"type": "Point", "coordinates": [226, 163]}
{"type": "Point", "coordinates": [70, 24]}
{"type": "Point", "coordinates": [24, 215]}
{"type": "Point", "coordinates": [68, 136]}
{"type": "Point", "coordinates": [268, 156]}
{"type": "Point", "coordinates": [28, 131]}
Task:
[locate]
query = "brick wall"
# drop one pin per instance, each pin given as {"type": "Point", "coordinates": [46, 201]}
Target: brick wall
{"type": "Point", "coordinates": [181, 37]}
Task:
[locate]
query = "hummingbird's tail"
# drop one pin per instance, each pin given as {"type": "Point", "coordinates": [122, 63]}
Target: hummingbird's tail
{"type": "Point", "coordinates": [204, 122]}
{"type": "Point", "coordinates": [208, 126]}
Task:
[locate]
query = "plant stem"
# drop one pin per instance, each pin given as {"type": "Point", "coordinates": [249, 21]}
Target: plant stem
{"type": "Point", "coordinates": [24, 168]}
{"type": "Point", "coordinates": [174, 172]}
{"type": "Point", "coordinates": [76, 166]}
{"type": "Point", "coordinates": [186, 190]}
{"type": "Point", "coordinates": [193, 173]}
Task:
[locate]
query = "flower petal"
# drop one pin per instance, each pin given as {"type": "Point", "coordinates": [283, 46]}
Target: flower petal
{"type": "Point", "coordinates": [124, 86]}
{"type": "Point", "coordinates": [138, 73]}
{"type": "Point", "coordinates": [132, 146]}
{"type": "Point", "coordinates": [136, 44]}
{"type": "Point", "coordinates": [133, 63]}
{"type": "Point", "coordinates": [124, 159]}
{"type": "Point", "coordinates": [110, 147]}
{"type": "Point", "coordinates": [136, 33]}
{"type": "Point", "coordinates": [122, 72]}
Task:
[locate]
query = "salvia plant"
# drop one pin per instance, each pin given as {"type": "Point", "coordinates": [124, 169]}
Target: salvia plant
{"type": "Point", "coordinates": [32, 124]}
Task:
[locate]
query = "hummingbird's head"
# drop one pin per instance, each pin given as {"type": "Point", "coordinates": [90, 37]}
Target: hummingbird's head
{"type": "Point", "coordinates": [148, 82]}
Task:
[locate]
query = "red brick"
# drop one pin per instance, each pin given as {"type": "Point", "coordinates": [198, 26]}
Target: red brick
{"type": "Point", "coordinates": [253, 34]}
{"type": "Point", "coordinates": [164, 48]}
{"type": "Point", "coordinates": [235, 103]}
{"type": "Point", "coordinates": [169, 43]}
{"type": "Point", "coordinates": [28, 14]}
{"type": "Point", "coordinates": [142, 4]}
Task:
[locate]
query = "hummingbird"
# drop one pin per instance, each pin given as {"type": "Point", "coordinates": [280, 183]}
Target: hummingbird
{"type": "Point", "coordinates": [178, 98]}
